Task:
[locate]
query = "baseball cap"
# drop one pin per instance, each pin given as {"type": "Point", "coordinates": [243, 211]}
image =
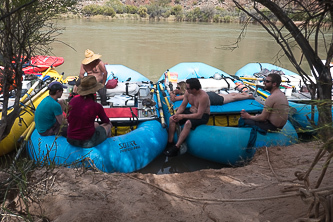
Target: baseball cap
{"type": "Point", "coordinates": [56, 86]}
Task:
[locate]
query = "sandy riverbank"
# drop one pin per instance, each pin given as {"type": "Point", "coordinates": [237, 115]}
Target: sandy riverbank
{"type": "Point", "coordinates": [228, 194]}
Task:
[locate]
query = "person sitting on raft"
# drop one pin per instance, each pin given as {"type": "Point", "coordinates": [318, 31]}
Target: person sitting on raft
{"type": "Point", "coordinates": [49, 117]}
{"type": "Point", "coordinates": [83, 131]}
{"type": "Point", "coordinates": [178, 93]}
{"type": "Point", "coordinates": [192, 117]}
{"type": "Point", "coordinates": [275, 113]}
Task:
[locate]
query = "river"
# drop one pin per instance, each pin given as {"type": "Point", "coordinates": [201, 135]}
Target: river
{"type": "Point", "coordinates": [151, 47]}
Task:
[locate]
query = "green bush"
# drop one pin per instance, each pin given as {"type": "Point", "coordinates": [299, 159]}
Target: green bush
{"type": "Point", "coordinates": [189, 16]}
{"type": "Point", "coordinates": [131, 9]}
{"type": "Point", "coordinates": [227, 19]}
{"type": "Point", "coordinates": [117, 6]}
{"type": "Point", "coordinates": [142, 11]}
{"type": "Point", "coordinates": [179, 17]}
{"type": "Point", "coordinates": [92, 10]}
{"type": "Point", "coordinates": [155, 10]}
{"type": "Point", "coordinates": [176, 10]}
{"type": "Point", "coordinates": [206, 14]}
{"type": "Point", "coordinates": [109, 11]}
{"type": "Point", "coordinates": [166, 14]}
{"type": "Point", "coordinates": [217, 18]}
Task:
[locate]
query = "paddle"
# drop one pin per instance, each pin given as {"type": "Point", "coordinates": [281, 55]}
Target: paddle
{"type": "Point", "coordinates": [183, 147]}
{"type": "Point", "coordinates": [171, 110]}
{"type": "Point", "coordinates": [160, 109]}
{"type": "Point", "coordinates": [40, 79]}
{"type": "Point", "coordinates": [261, 79]}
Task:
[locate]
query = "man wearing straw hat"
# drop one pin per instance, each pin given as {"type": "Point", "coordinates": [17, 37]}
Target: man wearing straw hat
{"type": "Point", "coordinates": [92, 65]}
{"type": "Point", "coordinates": [83, 131]}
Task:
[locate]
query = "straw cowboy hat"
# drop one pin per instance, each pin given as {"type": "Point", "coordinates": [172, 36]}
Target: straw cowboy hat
{"type": "Point", "coordinates": [89, 85]}
{"type": "Point", "coordinates": [90, 56]}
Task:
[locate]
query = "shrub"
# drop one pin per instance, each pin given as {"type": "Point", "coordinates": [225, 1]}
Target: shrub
{"type": "Point", "coordinates": [227, 18]}
{"type": "Point", "coordinates": [92, 10]}
{"type": "Point", "coordinates": [142, 11]}
{"type": "Point", "coordinates": [109, 11]}
{"type": "Point", "coordinates": [176, 10]}
{"type": "Point", "coordinates": [155, 10]}
{"type": "Point", "coordinates": [116, 5]}
{"type": "Point", "coordinates": [217, 18]}
{"type": "Point", "coordinates": [189, 16]}
{"type": "Point", "coordinates": [206, 14]}
{"type": "Point", "coordinates": [131, 9]}
{"type": "Point", "coordinates": [166, 14]}
{"type": "Point", "coordinates": [179, 17]}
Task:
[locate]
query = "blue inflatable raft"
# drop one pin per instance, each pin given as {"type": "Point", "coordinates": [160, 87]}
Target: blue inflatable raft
{"type": "Point", "coordinates": [133, 110]}
{"type": "Point", "coordinates": [221, 140]}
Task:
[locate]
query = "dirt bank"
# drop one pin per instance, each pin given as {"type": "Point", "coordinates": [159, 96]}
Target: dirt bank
{"type": "Point", "coordinates": [265, 190]}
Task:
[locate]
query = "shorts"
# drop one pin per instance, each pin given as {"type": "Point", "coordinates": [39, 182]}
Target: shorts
{"type": "Point", "coordinates": [195, 122]}
{"type": "Point", "coordinates": [215, 99]}
{"type": "Point", "coordinates": [265, 125]}
{"type": "Point", "coordinates": [56, 129]}
{"type": "Point", "coordinates": [98, 137]}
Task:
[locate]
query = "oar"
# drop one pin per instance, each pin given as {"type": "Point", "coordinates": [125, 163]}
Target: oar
{"type": "Point", "coordinates": [183, 147]}
{"type": "Point", "coordinates": [160, 109]}
{"type": "Point", "coordinates": [171, 111]}
{"type": "Point", "coordinates": [35, 84]}
{"type": "Point", "coordinates": [260, 99]}
{"type": "Point", "coordinates": [31, 100]}
{"type": "Point", "coordinates": [260, 79]}
{"type": "Point", "coordinates": [251, 78]}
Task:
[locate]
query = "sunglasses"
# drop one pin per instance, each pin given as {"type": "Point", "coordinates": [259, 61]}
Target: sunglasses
{"type": "Point", "coordinates": [267, 81]}
{"type": "Point", "coordinates": [177, 87]}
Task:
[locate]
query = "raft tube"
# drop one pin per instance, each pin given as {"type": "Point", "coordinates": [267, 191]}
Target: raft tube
{"type": "Point", "coordinates": [125, 153]}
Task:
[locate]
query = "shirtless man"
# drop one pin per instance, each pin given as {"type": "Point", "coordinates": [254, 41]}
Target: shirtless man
{"type": "Point", "coordinates": [275, 113]}
{"type": "Point", "coordinates": [197, 115]}
{"type": "Point", "coordinates": [92, 65]}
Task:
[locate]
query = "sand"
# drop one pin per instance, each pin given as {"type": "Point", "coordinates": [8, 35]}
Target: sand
{"type": "Point", "coordinates": [264, 190]}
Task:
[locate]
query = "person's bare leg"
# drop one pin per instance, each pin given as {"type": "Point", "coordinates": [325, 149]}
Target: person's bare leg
{"type": "Point", "coordinates": [231, 97]}
{"type": "Point", "coordinates": [183, 135]}
{"type": "Point", "coordinates": [172, 129]}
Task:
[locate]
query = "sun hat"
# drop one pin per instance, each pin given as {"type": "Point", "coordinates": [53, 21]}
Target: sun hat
{"type": "Point", "coordinates": [56, 86]}
{"type": "Point", "coordinates": [90, 56]}
{"type": "Point", "coordinates": [89, 85]}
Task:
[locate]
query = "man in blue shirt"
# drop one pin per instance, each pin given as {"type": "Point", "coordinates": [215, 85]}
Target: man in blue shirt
{"type": "Point", "coordinates": [48, 116]}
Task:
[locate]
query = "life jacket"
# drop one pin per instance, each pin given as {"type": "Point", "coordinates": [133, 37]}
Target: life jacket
{"type": "Point", "coordinates": [13, 83]}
